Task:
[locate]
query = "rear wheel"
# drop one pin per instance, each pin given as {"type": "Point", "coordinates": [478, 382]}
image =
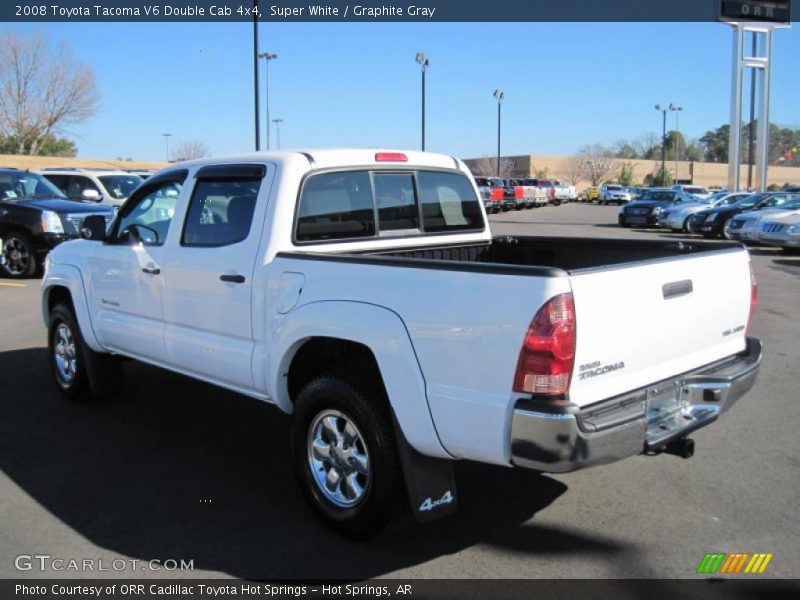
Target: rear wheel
{"type": "Point", "coordinates": [725, 233]}
{"type": "Point", "coordinates": [345, 457]}
{"type": "Point", "coordinates": [19, 255]}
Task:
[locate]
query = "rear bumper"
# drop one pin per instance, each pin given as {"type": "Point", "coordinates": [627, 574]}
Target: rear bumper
{"type": "Point", "coordinates": [560, 438]}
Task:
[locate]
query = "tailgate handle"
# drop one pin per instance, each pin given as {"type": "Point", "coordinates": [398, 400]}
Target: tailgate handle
{"type": "Point", "coordinates": [677, 288]}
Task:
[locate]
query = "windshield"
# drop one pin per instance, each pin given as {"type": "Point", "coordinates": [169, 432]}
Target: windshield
{"type": "Point", "coordinates": [658, 196]}
{"type": "Point", "coordinates": [120, 186]}
{"type": "Point", "coordinates": [24, 185]}
{"type": "Point", "coordinates": [749, 201]}
{"type": "Point", "coordinates": [614, 187]}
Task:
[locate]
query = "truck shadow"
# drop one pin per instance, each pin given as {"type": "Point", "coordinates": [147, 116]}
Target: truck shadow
{"type": "Point", "coordinates": [174, 468]}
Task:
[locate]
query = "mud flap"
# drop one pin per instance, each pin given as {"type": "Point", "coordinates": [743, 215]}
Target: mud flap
{"type": "Point", "coordinates": [430, 482]}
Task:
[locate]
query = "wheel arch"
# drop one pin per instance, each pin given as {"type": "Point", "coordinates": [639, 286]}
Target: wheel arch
{"type": "Point", "coordinates": [64, 283]}
{"type": "Point", "coordinates": [321, 331]}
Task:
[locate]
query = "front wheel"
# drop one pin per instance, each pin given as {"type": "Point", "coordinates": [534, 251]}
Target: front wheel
{"type": "Point", "coordinates": [345, 456]}
{"type": "Point", "coordinates": [725, 231]}
{"type": "Point", "coordinates": [19, 256]}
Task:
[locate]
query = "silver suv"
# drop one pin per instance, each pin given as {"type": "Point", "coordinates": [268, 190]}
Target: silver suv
{"type": "Point", "coordinates": [104, 186]}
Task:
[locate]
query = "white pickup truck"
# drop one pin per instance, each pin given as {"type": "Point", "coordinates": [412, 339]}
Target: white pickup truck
{"type": "Point", "coordinates": [363, 292]}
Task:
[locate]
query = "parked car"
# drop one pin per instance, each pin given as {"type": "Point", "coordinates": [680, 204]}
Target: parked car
{"type": "Point", "coordinates": [534, 195]}
{"type": "Point", "coordinates": [745, 226]}
{"type": "Point", "coordinates": [591, 193]}
{"type": "Point", "coordinates": [34, 218]}
{"type": "Point", "coordinates": [695, 190]}
{"type": "Point", "coordinates": [783, 231]}
{"type": "Point", "coordinates": [677, 218]}
{"type": "Point", "coordinates": [341, 286]}
{"type": "Point", "coordinates": [613, 193]}
{"type": "Point", "coordinates": [548, 186]}
{"type": "Point", "coordinates": [105, 186]}
{"type": "Point", "coordinates": [492, 191]}
{"type": "Point", "coordinates": [636, 192]}
{"type": "Point", "coordinates": [644, 211]}
{"type": "Point", "coordinates": [712, 223]}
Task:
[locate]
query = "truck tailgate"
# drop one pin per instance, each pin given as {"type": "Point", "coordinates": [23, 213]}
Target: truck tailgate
{"type": "Point", "coordinates": [637, 325]}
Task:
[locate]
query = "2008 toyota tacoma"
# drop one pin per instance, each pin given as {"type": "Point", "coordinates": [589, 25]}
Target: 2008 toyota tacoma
{"type": "Point", "coordinates": [363, 292]}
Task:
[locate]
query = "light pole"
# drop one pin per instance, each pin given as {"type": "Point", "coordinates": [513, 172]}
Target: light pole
{"type": "Point", "coordinates": [267, 56]}
{"type": "Point", "coordinates": [424, 63]}
{"type": "Point", "coordinates": [278, 131]}
{"type": "Point", "coordinates": [677, 110]}
{"type": "Point", "coordinates": [499, 96]}
{"type": "Point", "coordinates": [255, 73]}
{"type": "Point", "coordinates": [663, 143]}
{"type": "Point", "coordinates": [166, 139]}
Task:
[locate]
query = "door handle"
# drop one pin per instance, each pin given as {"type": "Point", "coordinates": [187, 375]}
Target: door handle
{"type": "Point", "coordinates": [232, 278]}
{"type": "Point", "coordinates": [151, 270]}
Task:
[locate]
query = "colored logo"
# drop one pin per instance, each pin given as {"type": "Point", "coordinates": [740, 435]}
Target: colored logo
{"type": "Point", "coordinates": [734, 564]}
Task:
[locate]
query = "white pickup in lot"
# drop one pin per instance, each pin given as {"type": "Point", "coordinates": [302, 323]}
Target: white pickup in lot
{"type": "Point", "coordinates": [363, 292]}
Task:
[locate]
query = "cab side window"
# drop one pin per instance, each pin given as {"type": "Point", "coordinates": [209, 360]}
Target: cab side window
{"type": "Point", "coordinates": [77, 185]}
{"type": "Point", "coordinates": [220, 212]}
{"type": "Point", "coordinates": [147, 220]}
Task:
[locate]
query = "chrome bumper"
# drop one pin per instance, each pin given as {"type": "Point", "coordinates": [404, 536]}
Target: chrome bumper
{"type": "Point", "coordinates": [558, 437]}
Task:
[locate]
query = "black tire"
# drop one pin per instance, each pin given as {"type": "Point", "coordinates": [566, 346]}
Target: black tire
{"type": "Point", "coordinates": [20, 256]}
{"type": "Point", "coordinates": [723, 228]}
{"type": "Point", "coordinates": [384, 499]}
{"type": "Point", "coordinates": [791, 250]}
{"type": "Point", "coordinates": [93, 374]}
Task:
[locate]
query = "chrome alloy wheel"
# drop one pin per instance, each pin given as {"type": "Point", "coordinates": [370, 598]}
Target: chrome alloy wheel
{"type": "Point", "coordinates": [338, 458]}
{"type": "Point", "coordinates": [64, 354]}
{"type": "Point", "coordinates": [18, 259]}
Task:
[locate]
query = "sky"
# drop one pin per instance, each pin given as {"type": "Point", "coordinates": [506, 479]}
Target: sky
{"type": "Point", "coordinates": [357, 85]}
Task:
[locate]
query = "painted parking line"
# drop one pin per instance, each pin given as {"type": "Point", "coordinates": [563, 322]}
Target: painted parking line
{"type": "Point", "coordinates": [13, 284]}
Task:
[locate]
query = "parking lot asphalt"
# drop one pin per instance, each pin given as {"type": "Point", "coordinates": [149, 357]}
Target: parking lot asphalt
{"type": "Point", "coordinates": [176, 469]}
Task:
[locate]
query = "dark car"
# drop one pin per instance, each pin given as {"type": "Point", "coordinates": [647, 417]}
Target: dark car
{"type": "Point", "coordinates": [711, 223]}
{"type": "Point", "coordinates": [34, 218]}
{"type": "Point", "coordinates": [644, 211]}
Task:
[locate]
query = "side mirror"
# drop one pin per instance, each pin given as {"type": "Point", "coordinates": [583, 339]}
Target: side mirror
{"type": "Point", "coordinates": [90, 194]}
{"type": "Point", "coordinates": [94, 228]}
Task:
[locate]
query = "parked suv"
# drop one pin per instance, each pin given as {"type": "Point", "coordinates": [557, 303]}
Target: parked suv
{"type": "Point", "coordinates": [34, 218]}
{"type": "Point", "coordinates": [98, 185]}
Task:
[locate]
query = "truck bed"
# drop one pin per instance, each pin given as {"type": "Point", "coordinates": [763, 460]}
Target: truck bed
{"type": "Point", "coordinates": [563, 253]}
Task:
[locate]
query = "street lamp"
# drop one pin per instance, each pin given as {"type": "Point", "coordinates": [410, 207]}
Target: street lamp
{"type": "Point", "coordinates": [278, 130]}
{"type": "Point", "coordinates": [255, 74]}
{"type": "Point", "coordinates": [663, 142]}
{"type": "Point", "coordinates": [499, 96]}
{"type": "Point", "coordinates": [424, 63]}
{"type": "Point", "coordinates": [166, 139]}
{"type": "Point", "coordinates": [677, 110]}
{"type": "Point", "coordinates": [267, 56]}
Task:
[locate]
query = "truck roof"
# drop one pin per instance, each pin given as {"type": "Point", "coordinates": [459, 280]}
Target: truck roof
{"type": "Point", "coordinates": [338, 157]}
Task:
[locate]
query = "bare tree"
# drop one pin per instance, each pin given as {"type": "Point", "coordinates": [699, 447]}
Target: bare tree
{"type": "Point", "coordinates": [646, 144]}
{"type": "Point", "coordinates": [487, 166]}
{"type": "Point", "coordinates": [572, 169]}
{"type": "Point", "coordinates": [597, 162]}
{"type": "Point", "coordinates": [43, 90]}
{"type": "Point", "coordinates": [189, 149]}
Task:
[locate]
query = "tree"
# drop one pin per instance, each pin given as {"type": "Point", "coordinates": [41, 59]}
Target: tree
{"type": "Point", "coordinates": [487, 167]}
{"type": "Point", "coordinates": [571, 169]}
{"type": "Point", "coordinates": [626, 174]}
{"type": "Point", "coordinates": [625, 149]}
{"type": "Point", "coordinates": [189, 149]}
{"type": "Point", "coordinates": [43, 90]}
{"type": "Point", "coordinates": [648, 145]}
{"type": "Point", "coordinates": [49, 146]}
{"type": "Point", "coordinates": [661, 177]}
{"type": "Point", "coordinates": [597, 162]}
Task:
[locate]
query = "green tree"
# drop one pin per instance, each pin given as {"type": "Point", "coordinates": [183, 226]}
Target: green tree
{"type": "Point", "coordinates": [48, 145]}
{"type": "Point", "coordinates": [661, 177]}
{"type": "Point", "coordinates": [626, 174]}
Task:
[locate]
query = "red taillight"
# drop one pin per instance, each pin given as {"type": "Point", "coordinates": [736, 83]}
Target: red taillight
{"type": "Point", "coordinates": [391, 157]}
{"type": "Point", "coordinates": [548, 351]}
{"type": "Point", "coordinates": [753, 298]}
{"type": "Point", "coordinates": [519, 192]}
{"type": "Point", "coordinates": [497, 194]}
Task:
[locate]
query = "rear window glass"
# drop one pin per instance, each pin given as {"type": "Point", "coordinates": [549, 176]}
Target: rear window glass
{"type": "Point", "coordinates": [448, 202]}
{"type": "Point", "coordinates": [343, 205]}
{"type": "Point", "coordinates": [336, 206]}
